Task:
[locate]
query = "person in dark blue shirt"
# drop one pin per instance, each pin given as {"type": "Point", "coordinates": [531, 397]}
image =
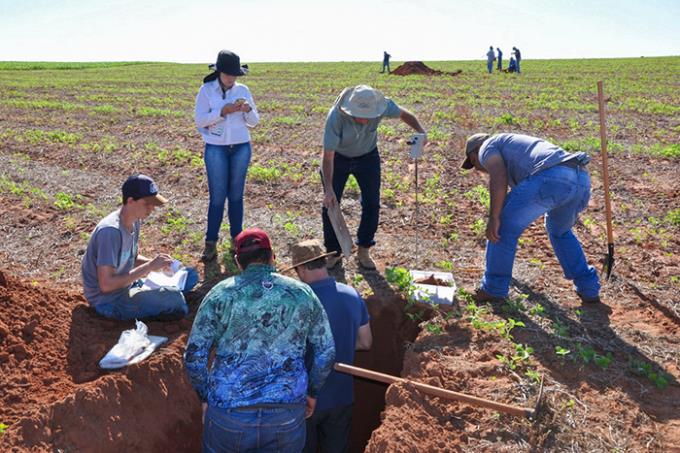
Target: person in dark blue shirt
{"type": "Point", "coordinates": [518, 57]}
{"type": "Point", "coordinates": [386, 62]}
{"type": "Point", "coordinates": [500, 59]}
{"type": "Point", "coordinates": [328, 427]}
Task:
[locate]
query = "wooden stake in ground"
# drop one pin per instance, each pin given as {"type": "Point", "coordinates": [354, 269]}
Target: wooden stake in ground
{"type": "Point", "coordinates": [443, 393]}
{"type": "Point", "coordinates": [609, 259]}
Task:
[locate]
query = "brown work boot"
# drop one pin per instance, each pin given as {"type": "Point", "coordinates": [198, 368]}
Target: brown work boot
{"type": "Point", "coordinates": [333, 260]}
{"type": "Point", "coordinates": [365, 259]}
{"type": "Point", "coordinates": [482, 296]}
{"type": "Point", "coordinates": [209, 251]}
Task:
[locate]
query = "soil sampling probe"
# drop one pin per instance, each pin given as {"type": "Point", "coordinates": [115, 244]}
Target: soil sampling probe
{"type": "Point", "coordinates": [416, 143]}
{"type": "Point", "coordinates": [528, 412]}
{"type": "Point", "coordinates": [609, 259]}
{"type": "Point", "coordinates": [430, 287]}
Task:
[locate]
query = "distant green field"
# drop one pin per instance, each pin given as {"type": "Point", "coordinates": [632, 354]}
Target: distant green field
{"type": "Point", "coordinates": [551, 98]}
{"type": "Point", "coordinates": [32, 65]}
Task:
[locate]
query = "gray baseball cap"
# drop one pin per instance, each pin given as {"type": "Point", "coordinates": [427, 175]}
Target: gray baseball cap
{"type": "Point", "coordinates": [473, 143]}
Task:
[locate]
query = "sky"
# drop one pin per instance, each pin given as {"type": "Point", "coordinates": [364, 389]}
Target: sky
{"type": "Point", "coordinates": [320, 30]}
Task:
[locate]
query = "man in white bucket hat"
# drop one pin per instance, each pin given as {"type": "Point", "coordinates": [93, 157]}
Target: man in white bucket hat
{"type": "Point", "coordinates": [351, 148]}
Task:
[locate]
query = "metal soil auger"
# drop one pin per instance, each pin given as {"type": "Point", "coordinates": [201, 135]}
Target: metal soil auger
{"type": "Point", "coordinates": [609, 259]}
{"type": "Point", "coordinates": [528, 412]}
{"type": "Point", "coordinates": [430, 287]}
{"type": "Point", "coordinates": [416, 143]}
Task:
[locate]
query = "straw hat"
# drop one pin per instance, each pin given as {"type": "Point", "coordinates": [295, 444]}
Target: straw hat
{"type": "Point", "coordinates": [364, 102]}
{"type": "Point", "coordinates": [307, 251]}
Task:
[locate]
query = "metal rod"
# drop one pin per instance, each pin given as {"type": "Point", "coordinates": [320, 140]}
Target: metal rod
{"type": "Point", "coordinates": [605, 179]}
{"type": "Point", "coordinates": [435, 391]}
{"type": "Point", "coordinates": [416, 216]}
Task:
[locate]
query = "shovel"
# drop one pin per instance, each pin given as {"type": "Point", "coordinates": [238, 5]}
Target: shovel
{"type": "Point", "coordinates": [528, 412]}
{"type": "Point", "coordinates": [339, 226]}
{"type": "Point", "coordinates": [609, 259]}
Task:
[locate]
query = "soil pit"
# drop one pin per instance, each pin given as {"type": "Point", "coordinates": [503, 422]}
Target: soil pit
{"type": "Point", "coordinates": [420, 68]}
{"type": "Point", "coordinates": [55, 398]}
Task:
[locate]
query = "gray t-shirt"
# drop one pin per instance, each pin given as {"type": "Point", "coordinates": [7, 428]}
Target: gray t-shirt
{"type": "Point", "coordinates": [525, 155]}
{"type": "Point", "coordinates": [111, 244]}
{"type": "Point", "coordinates": [351, 139]}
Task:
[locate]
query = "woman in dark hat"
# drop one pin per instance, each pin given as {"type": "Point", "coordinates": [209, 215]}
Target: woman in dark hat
{"type": "Point", "coordinates": [224, 111]}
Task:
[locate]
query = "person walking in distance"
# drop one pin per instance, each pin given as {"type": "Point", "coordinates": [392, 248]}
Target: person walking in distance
{"type": "Point", "coordinates": [518, 58]}
{"type": "Point", "coordinates": [490, 58]}
{"type": "Point", "coordinates": [386, 62]}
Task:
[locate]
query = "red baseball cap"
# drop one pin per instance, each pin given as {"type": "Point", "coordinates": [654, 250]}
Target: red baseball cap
{"type": "Point", "coordinates": [252, 239]}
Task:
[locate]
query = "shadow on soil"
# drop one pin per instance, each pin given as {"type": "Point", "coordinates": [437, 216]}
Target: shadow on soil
{"type": "Point", "coordinates": [594, 328]}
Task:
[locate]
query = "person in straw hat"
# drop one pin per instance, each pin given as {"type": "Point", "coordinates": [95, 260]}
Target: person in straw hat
{"type": "Point", "coordinates": [328, 427]}
{"type": "Point", "coordinates": [350, 145]}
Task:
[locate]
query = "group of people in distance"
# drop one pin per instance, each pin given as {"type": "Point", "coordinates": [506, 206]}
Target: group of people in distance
{"type": "Point", "coordinates": [513, 65]}
{"type": "Point", "coordinates": [275, 338]}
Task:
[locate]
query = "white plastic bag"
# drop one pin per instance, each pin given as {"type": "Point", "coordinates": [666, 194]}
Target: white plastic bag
{"type": "Point", "coordinates": [133, 346]}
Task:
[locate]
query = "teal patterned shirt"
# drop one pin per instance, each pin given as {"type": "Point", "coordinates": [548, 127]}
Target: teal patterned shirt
{"type": "Point", "coordinates": [259, 323]}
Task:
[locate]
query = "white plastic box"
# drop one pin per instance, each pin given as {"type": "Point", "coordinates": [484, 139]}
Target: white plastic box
{"type": "Point", "coordinates": [434, 294]}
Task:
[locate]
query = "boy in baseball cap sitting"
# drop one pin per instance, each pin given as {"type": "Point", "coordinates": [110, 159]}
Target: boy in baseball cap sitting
{"type": "Point", "coordinates": [112, 267]}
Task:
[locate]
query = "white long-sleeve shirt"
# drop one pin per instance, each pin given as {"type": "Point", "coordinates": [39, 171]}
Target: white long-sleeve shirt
{"type": "Point", "coordinates": [233, 128]}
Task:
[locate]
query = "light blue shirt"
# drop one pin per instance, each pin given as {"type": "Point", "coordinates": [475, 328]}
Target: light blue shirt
{"type": "Point", "coordinates": [525, 155]}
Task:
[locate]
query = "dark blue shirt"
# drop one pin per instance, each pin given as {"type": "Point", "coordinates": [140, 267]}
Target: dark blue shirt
{"type": "Point", "coordinates": [346, 312]}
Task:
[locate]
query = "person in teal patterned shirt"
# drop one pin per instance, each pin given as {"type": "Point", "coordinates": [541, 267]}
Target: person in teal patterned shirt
{"type": "Point", "coordinates": [257, 392]}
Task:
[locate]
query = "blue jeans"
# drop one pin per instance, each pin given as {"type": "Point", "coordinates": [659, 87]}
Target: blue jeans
{"type": "Point", "coordinates": [275, 429]}
{"type": "Point", "coordinates": [518, 71]}
{"type": "Point", "coordinates": [560, 193]}
{"type": "Point", "coordinates": [329, 430]}
{"type": "Point", "coordinates": [366, 170]}
{"type": "Point", "coordinates": [500, 65]}
{"type": "Point", "coordinates": [162, 303]}
{"type": "Point", "coordinates": [226, 166]}
{"type": "Point", "coordinates": [489, 66]}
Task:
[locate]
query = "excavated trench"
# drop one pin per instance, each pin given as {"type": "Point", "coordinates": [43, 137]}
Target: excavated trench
{"type": "Point", "coordinates": [55, 398]}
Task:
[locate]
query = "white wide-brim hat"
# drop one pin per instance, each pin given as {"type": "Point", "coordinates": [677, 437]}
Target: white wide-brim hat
{"type": "Point", "coordinates": [364, 102]}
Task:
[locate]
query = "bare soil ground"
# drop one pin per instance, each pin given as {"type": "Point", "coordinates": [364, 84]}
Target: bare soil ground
{"type": "Point", "coordinates": [616, 389]}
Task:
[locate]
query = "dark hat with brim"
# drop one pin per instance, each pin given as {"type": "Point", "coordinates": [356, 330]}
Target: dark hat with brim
{"type": "Point", "coordinates": [473, 143]}
{"type": "Point", "coordinates": [228, 63]}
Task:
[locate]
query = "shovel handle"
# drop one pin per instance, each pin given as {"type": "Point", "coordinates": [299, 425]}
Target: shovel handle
{"type": "Point", "coordinates": [435, 391]}
{"type": "Point", "coordinates": [605, 165]}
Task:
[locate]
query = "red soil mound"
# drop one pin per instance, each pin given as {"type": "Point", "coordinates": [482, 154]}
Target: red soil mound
{"type": "Point", "coordinates": [418, 67]}
{"type": "Point", "coordinates": [55, 398]}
